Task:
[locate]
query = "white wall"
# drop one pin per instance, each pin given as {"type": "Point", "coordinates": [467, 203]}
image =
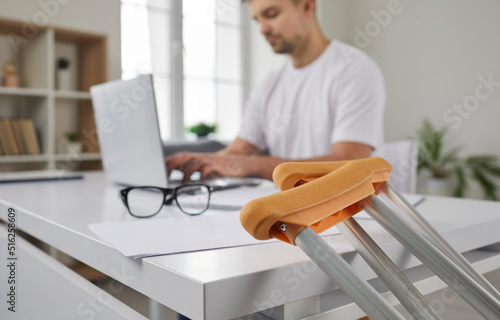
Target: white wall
{"type": "Point", "coordinates": [433, 54]}
{"type": "Point", "coordinates": [95, 16]}
{"type": "Point", "coordinates": [334, 17]}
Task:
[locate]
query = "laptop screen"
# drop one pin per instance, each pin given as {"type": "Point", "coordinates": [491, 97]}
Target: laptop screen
{"type": "Point", "coordinates": [128, 130]}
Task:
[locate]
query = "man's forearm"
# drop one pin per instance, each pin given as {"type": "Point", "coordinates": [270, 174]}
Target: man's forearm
{"type": "Point", "coordinates": [263, 166]}
{"type": "Point", "coordinates": [240, 147]}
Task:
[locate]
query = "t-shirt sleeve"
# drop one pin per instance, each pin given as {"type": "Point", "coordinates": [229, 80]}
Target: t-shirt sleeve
{"type": "Point", "coordinates": [253, 120]}
{"type": "Point", "coordinates": [360, 104]}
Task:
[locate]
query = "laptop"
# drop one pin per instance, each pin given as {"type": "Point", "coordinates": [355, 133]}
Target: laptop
{"type": "Point", "coordinates": [129, 135]}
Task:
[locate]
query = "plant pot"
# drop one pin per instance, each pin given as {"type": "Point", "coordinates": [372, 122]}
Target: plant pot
{"type": "Point", "coordinates": [64, 80]}
{"type": "Point", "coordinates": [74, 147]}
{"type": "Point", "coordinates": [439, 186]}
{"type": "Point", "coordinates": [210, 136]}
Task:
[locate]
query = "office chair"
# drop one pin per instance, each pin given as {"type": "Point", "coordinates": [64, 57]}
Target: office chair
{"type": "Point", "coordinates": [403, 156]}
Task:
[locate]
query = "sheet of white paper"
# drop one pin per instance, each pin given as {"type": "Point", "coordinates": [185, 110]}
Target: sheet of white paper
{"type": "Point", "coordinates": [155, 236]}
{"type": "Point", "coordinates": [236, 198]}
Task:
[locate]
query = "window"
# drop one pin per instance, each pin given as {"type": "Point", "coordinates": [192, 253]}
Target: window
{"type": "Point", "coordinates": [146, 49]}
{"type": "Point", "coordinates": [212, 64]}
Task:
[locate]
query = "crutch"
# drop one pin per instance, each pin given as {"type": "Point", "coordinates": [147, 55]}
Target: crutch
{"type": "Point", "coordinates": [297, 215]}
{"type": "Point", "coordinates": [313, 210]}
{"type": "Point", "coordinates": [292, 174]}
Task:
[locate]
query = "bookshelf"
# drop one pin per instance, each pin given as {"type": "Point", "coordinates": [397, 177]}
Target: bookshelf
{"type": "Point", "coordinates": [54, 112]}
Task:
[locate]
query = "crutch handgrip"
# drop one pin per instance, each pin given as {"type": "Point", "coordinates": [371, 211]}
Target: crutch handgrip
{"type": "Point", "coordinates": [319, 204]}
{"type": "Point", "coordinates": [292, 174]}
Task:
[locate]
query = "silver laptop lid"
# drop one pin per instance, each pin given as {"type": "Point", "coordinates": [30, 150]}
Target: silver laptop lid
{"type": "Point", "coordinates": [128, 131]}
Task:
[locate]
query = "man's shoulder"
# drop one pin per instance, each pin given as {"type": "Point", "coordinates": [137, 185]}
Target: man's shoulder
{"type": "Point", "coordinates": [343, 53]}
{"type": "Point", "coordinates": [271, 79]}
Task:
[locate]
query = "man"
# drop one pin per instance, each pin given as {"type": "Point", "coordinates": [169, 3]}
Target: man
{"type": "Point", "coordinates": [325, 104]}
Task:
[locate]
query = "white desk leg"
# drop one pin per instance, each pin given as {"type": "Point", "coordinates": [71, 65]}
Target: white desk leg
{"type": "Point", "coordinates": [293, 310]}
{"type": "Point", "coordinates": [158, 311]}
{"type": "Point", "coordinates": [289, 311]}
{"type": "Point", "coordinates": [301, 308]}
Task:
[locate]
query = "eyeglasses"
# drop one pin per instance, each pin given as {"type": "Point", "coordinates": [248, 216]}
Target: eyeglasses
{"type": "Point", "coordinates": [145, 202]}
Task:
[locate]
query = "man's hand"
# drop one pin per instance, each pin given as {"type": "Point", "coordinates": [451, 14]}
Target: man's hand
{"type": "Point", "coordinates": [210, 164]}
{"type": "Point", "coordinates": [241, 159]}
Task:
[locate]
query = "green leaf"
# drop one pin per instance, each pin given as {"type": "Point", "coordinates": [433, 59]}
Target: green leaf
{"type": "Point", "coordinates": [487, 163]}
{"type": "Point", "coordinates": [451, 156]}
{"type": "Point", "coordinates": [72, 136]}
{"type": "Point", "coordinates": [431, 156]}
{"type": "Point", "coordinates": [203, 129]}
{"type": "Point", "coordinates": [488, 186]}
{"type": "Point", "coordinates": [462, 184]}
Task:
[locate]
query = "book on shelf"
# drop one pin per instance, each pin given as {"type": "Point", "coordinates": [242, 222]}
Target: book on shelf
{"type": "Point", "coordinates": [4, 140]}
{"type": "Point", "coordinates": [31, 132]}
{"type": "Point", "coordinates": [27, 130]}
{"type": "Point", "coordinates": [10, 136]}
{"type": "Point", "coordinates": [18, 136]}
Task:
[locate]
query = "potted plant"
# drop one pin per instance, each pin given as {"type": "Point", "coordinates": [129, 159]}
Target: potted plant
{"type": "Point", "coordinates": [202, 129]}
{"type": "Point", "coordinates": [63, 74]}
{"type": "Point", "coordinates": [444, 165]}
{"type": "Point", "coordinates": [73, 144]}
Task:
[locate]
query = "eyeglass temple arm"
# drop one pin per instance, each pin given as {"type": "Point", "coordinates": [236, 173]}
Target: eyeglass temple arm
{"type": "Point", "coordinates": [224, 187]}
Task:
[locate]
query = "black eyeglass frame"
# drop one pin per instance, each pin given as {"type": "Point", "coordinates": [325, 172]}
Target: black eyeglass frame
{"type": "Point", "coordinates": [166, 192]}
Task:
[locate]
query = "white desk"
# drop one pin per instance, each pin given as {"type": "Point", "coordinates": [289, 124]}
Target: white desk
{"type": "Point", "coordinates": [225, 283]}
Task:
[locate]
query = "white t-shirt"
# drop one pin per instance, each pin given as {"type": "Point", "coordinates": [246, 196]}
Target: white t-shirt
{"type": "Point", "coordinates": [299, 113]}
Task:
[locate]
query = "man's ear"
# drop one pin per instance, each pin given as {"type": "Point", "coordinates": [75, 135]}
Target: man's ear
{"type": "Point", "coordinates": [309, 7]}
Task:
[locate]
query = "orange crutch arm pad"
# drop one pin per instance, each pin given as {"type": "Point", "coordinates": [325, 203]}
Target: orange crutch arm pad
{"type": "Point", "coordinates": [291, 174]}
{"type": "Point", "coordinates": [319, 204]}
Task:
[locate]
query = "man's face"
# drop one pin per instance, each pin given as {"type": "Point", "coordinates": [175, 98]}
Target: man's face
{"type": "Point", "coordinates": [282, 22]}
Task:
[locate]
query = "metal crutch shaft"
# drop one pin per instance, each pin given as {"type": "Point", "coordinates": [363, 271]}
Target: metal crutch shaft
{"type": "Point", "coordinates": [411, 299]}
{"type": "Point", "coordinates": [362, 293]}
{"type": "Point", "coordinates": [440, 264]}
{"type": "Point", "coordinates": [433, 236]}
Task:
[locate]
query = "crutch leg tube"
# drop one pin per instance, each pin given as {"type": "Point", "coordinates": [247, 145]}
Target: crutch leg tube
{"type": "Point", "coordinates": [344, 276]}
{"type": "Point", "coordinates": [434, 237]}
{"type": "Point", "coordinates": [434, 259]}
{"type": "Point", "coordinates": [411, 299]}
{"type": "Point", "coordinates": [297, 215]}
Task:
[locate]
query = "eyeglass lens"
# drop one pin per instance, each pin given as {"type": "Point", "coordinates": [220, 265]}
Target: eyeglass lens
{"type": "Point", "coordinates": [144, 202]}
{"type": "Point", "coordinates": [193, 199]}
